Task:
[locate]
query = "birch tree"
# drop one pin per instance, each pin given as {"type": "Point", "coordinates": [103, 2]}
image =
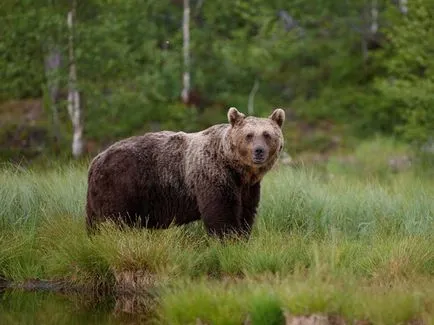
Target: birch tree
{"type": "Point", "coordinates": [374, 17]}
{"type": "Point", "coordinates": [251, 102]}
{"type": "Point", "coordinates": [186, 52]}
{"type": "Point", "coordinates": [52, 66]}
{"type": "Point", "coordinates": [74, 108]}
{"type": "Point", "coordinates": [403, 6]}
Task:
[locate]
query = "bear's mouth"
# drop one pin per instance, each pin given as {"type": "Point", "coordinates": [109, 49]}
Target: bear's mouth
{"type": "Point", "coordinates": [259, 160]}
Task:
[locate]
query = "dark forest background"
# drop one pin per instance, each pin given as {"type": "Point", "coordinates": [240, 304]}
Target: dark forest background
{"type": "Point", "coordinates": [344, 71]}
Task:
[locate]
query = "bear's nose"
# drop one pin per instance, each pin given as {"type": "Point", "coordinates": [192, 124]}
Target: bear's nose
{"type": "Point", "coordinates": [259, 151]}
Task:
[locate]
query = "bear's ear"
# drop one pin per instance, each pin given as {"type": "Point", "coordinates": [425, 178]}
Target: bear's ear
{"type": "Point", "coordinates": [234, 116]}
{"type": "Point", "coordinates": [278, 116]}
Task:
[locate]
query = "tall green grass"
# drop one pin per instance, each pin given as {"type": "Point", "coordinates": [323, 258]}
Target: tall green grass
{"type": "Point", "coordinates": [300, 216]}
{"type": "Point", "coordinates": [309, 229]}
{"type": "Point", "coordinates": [29, 196]}
{"type": "Point", "coordinates": [303, 200]}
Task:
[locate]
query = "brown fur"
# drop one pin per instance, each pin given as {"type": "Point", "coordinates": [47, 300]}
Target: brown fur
{"type": "Point", "coordinates": [166, 177]}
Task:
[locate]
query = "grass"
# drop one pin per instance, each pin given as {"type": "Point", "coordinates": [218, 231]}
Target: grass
{"type": "Point", "coordinates": [320, 245]}
{"type": "Point", "coordinates": [266, 301]}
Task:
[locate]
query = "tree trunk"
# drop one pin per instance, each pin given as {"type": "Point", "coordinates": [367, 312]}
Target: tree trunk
{"type": "Point", "coordinates": [403, 6]}
{"type": "Point", "coordinates": [251, 103]}
{"type": "Point", "coordinates": [374, 17]}
{"type": "Point", "coordinates": [186, 51]}
{"type": "Point", "coordinates": [74, 108]}
{"type": "Point", "coordinates": [52, 65]}
{"type": "Point", "coordinates": [365, 32]}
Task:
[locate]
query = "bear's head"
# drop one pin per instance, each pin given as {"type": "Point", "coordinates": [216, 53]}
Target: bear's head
{"type": "Point", "coordinates": [256, 141]}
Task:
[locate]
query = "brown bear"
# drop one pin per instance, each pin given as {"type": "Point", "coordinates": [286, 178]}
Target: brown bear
{"type": "Point", "coordinates": [163, 178]}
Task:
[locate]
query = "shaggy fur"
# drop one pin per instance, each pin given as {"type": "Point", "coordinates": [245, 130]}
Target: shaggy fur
{"type": "Point", "coordinates": [165, 178]}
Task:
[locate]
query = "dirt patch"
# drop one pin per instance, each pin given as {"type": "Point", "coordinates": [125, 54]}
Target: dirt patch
{"type": "Point", "coordinates": [135, 282]}
{"type": "Point", "coordinates": [26, 111]}
{"type": "Point", "coordinates": [313, 320]}
{"type": "Point", "coordinates": [24, 131]}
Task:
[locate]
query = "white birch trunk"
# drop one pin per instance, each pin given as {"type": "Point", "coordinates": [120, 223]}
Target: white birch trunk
{"type": "Point", "coordinates": [186, 52]}
{"type": "Point", "coordinates": [74, 108]}
{"type": "Point", "coordinates": [403, 6]}
{"type": "Point", "coordinates": [251, 103]}
{"type": "Point", "coordinates": [52, 65]}
{"type": "Point", "coordinates": [365, 30]}
{"type": "Point", "coordinates": [374, 17]}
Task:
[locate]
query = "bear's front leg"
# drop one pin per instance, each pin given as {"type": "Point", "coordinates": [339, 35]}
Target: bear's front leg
{"type": "Point", "coordinates": [220, 212]}
{"type": "Point", "coordinates": [250, 202]}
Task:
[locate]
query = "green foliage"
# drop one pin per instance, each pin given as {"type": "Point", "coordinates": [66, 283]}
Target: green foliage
{"type": "Point", "coordinates": [409, 81]}
{"type": "Point", "coordinates": [306, 58]}
{"type": "Point", "coordinates": [19, 71]}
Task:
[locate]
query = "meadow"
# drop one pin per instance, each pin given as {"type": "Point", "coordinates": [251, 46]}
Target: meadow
{"type": "Point", "coordinates": [352, 243]}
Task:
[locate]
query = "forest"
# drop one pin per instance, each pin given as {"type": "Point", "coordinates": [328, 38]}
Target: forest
{"type": "Point", "coordinates": [341, 69]}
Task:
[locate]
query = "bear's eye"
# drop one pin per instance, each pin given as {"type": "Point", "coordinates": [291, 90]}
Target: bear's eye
{"type": "Point", "coordinates": [249, 136]}
{"type": "Point", "coordinates": [266, 135]}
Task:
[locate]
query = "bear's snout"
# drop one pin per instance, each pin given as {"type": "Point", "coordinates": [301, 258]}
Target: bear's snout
{"type": "Point", "coordinates": [259, 151]}
{"type": "Point", "coordinates": [259, 155]}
